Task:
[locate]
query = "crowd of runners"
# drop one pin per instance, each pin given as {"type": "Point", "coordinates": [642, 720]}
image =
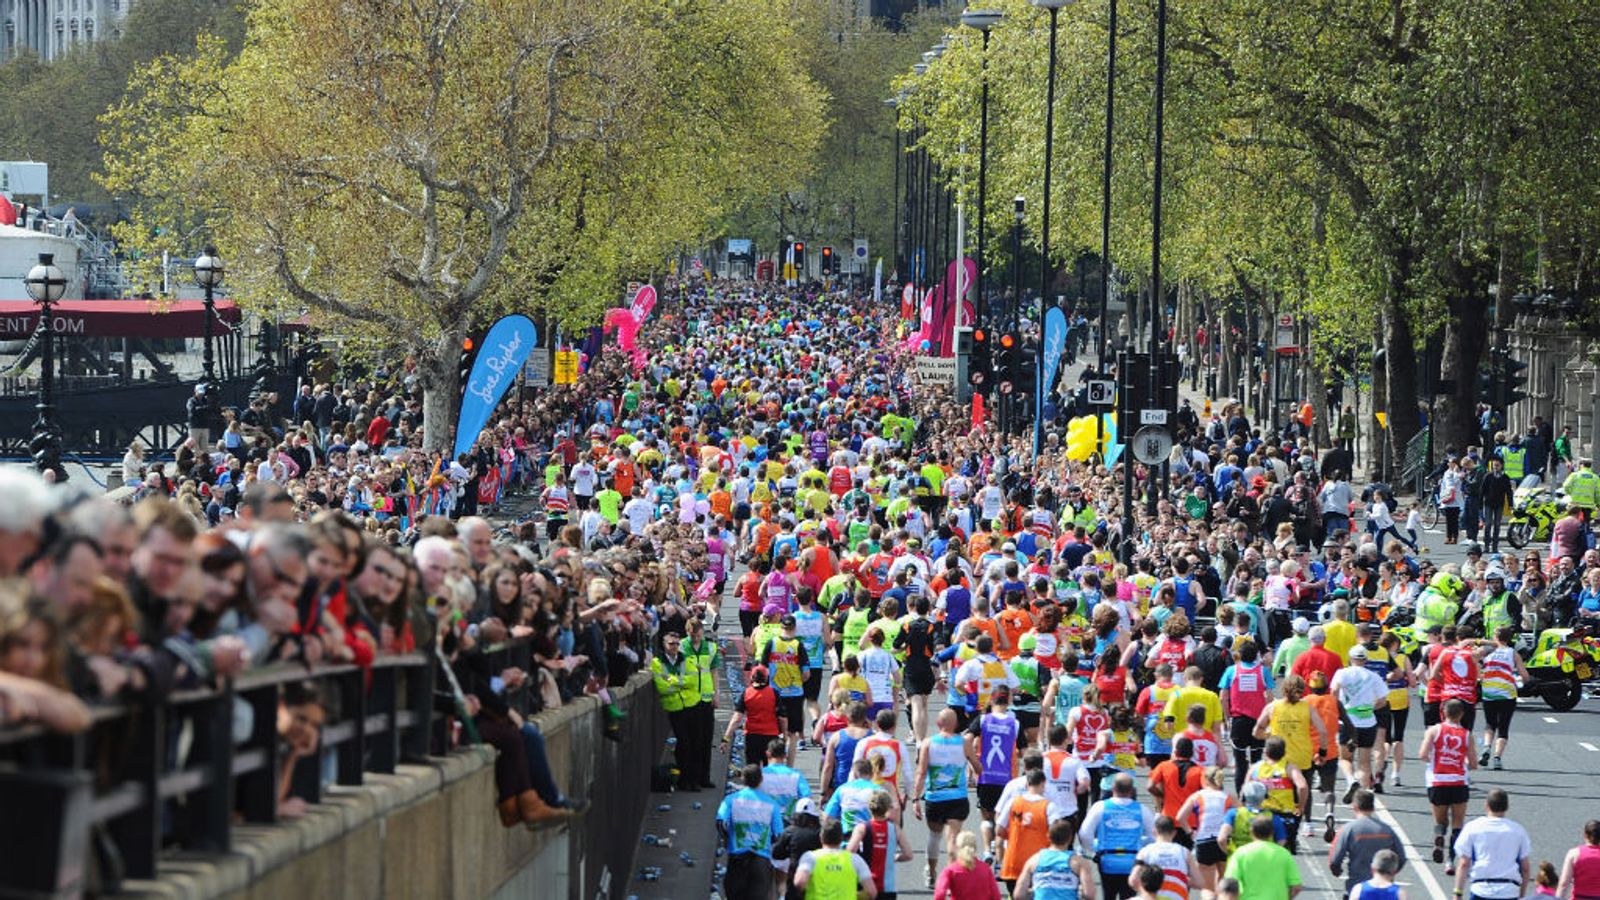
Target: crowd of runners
{"type": "Point", "coordinates": [951, 622]}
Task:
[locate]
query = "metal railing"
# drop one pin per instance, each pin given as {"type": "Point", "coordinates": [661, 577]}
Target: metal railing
{"type": "Point", "coordinates": [1416, 459]}
{"type": "Point", "coordinates": [149, 776]}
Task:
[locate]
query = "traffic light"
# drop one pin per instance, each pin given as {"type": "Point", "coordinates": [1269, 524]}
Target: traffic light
{"type": "Point", "coordinates": [1488, 395]}
{"type": "Point", "coordinates": [1514, 380]}
{"type": "Point", "coordinates": [980, 365]}
{"type": "Point", "coordinates": [1008, 370]}
{"type": "Point", "coordinates": [827, 261]}
{"type": "Point", "coordinates": [468, 355]}
{"type": "Point", "coordinates": [800, 257]}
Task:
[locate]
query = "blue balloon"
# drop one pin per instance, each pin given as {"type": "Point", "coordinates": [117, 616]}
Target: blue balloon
{"type": "Point", "coordinates": [500, 357]}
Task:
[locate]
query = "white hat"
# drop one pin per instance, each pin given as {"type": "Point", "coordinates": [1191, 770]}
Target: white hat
{"type": "Point", "coordinates": [1301, 625]}
{"type": "Point", "coordinates": [806, 806]}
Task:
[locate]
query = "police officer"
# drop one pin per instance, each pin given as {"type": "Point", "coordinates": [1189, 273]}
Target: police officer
{"type": "Point", "coordinates": [1501, 608]}
{"type": "Point", "coordinates": [1582, 488]}
{"type": "Point", "coordinates": [1515, 457]}
{"type": "Point", "coordinates": [1439, 603]}
{"type": "Point", "coordinates": [679, 690]}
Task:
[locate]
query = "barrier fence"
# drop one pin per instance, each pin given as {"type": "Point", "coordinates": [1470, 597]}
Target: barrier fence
{"type": "Point", "coordinates": [173, 775]}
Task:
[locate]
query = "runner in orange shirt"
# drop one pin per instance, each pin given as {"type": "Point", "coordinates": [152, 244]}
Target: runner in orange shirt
{"type": "Point", "coordinates": [1015, 621]}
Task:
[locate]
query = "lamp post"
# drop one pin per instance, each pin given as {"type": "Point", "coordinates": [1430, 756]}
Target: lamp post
{"type": "Point", "coordinates": [1105, 198]}
{"type": "Point", "coordinates": [984, 20]}
{"type": "Point", "coordinates": [916, 224]}
{"type": "Point", "coordinates": [46, 284]}
{"type": "Point", "coordinates": [1044, 227]}
{"type": "Point", "coordinates": [1020, 205]}
{"type": "Point", "coordinates": [1156, 298]}
{"type": "Point", "coordinates": [894, 104]}
{"type": "Point", "coordinates": [208, 272]}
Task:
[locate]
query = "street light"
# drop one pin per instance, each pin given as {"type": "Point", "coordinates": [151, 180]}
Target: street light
{"type": "Point", "coordinates": [1156, 297]}
{"type": "Point", "coordinates": [983, 20]}
{"type": "Point", "coordinates": [46, 284]}
{"type": "Point", "coordinates": [1020, 203]}
{"type": "Point", "coordinates": [894, 104]}
{"type": "Point", "coordinates": [208, 272]}
{"type": "Point", "coordinates": [1044, 228]}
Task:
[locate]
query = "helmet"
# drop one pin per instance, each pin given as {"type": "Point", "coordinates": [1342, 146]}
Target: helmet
{"type": "Point", "coordinates": [1495, 573]}
{"type": "Point", "coordinates": [1254, 793]}
{"type": "Point", "coordinates": [1027, 643]}
{"type": "Point", "coordinates": [1447, 584]}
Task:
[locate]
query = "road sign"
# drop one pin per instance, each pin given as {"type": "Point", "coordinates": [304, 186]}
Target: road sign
{"type": "Point", "coordinates": [565, 369]}
{"type": "Point", "coordinates": [537, 369]}
{"type": "Point", "coordinates": [1152, 417]}
{"type": "Point", "coordinates": [1102, 393]}
{"type": "Point", "coordinates": [1286, 342]}
{"type": "Point", "coordinates": [1151, 444]}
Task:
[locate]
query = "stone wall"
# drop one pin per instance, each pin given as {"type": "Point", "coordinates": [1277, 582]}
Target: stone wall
{"type": "Point", "coordinates": [430, 830]}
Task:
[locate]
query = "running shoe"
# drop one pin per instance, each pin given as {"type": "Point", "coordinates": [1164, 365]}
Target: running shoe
{"type": "Point", "coordinates": [1438, 848]}
{"type": "Point", "coordinates": [1483, 758]}
{"type": "Point", "coordinates": [1350, 792]}
{"type": "Point", "coordinates": [1329, 832]}
{"type": "Point", "coordinates": [1497, 765]}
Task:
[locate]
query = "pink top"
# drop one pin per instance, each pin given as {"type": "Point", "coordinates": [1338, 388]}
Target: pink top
{"type": "Point", "coordinates": [959, 883]}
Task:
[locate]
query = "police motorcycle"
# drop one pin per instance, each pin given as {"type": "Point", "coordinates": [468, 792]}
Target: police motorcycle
{"type": "Point", "coordinates": [1564, 663]}
{"type": "Point", "coordinates": [1534, 511]}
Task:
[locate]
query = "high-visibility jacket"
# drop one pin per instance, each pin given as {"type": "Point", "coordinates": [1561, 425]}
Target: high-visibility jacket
{"type": "Point", "coordinates": [1495, 614]}
{"type": "Point", "coordinates": [1434, 608]}
{"type": "Point", "coordinates": [1582, 488]}
{"type": "Point", "coordinates": [1515, 459]}
{"type": "Point", "coordinates": [676, 682]}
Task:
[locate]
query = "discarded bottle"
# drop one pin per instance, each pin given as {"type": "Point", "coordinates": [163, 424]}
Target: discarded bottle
{"type": "Point", "coordinates": [696, 805]}
{"type": "Point", "coordinates": [650, 840]}
{"type": "Point", "coordinates": [665, 807]}
{"type": "Point", "coordinates": [688, 861]}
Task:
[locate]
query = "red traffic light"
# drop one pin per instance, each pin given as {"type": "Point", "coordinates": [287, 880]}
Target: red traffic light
{"type": "Point", "coordinates": [799, 246]}
{"type": "Point", "coordinates": [466, 345]}
{"type": "Point", "coordinates": [1007, 341]}
{"type": "Point", "coordinates": [979, 335]}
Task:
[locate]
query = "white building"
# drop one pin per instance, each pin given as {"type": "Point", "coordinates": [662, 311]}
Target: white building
{"type": "Point", "coordinates": [52, 28]}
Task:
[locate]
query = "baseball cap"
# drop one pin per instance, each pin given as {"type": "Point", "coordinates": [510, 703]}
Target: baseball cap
{"type": "Point", "coordinates": [806, 806]}
{"type": "Point", "coordinates": [1358, 652]}
{"type": "Point", "coordinates": [759, 673]}
{"type": "Point", "coordinates": [1301, 625]}
{"type": "Point", "coordinates": [772, 609]}
{"type": "Point", "coordinates": [787, 621]}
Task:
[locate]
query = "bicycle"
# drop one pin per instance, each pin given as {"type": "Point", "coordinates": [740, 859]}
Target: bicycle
{"type": "Point", "coordinates": [1430, 503]}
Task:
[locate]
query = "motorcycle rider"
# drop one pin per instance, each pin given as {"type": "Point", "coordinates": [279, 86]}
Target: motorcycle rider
{"type": "Point", "coordinates": [1501, 608]}
{"type": "Point", "coordinates": [1440, 602]}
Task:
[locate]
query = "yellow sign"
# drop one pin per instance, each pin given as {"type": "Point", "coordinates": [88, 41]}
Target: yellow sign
{"type": "Point", "coordinates": [565, 370]}
{"type": "Point", "coordinates": [1383, 420]}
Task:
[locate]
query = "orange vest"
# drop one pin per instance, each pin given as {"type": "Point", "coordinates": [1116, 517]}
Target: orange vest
{"type": "Point", "coordinates": [1027, 833]}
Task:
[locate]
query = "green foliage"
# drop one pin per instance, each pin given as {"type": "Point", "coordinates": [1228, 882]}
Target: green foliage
{"type": "Point", "coordinates": [49, 112]}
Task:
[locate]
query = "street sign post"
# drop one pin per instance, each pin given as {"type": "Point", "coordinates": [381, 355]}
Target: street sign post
{"type": "Point", "coordinates": [565, 369]}
{"type": "Point", "coordinates": [1286, 341]}
{"type": "Point", "coordinates": [1102, 393]}
{"type": "Point", "coordinates": [1152, 417]}
{"type": "Point", "coordinates": [1151, 444]}
{"type": "Point", "coordinates": [536, 370]}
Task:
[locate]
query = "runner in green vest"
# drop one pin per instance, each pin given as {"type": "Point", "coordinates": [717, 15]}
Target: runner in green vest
{"type": "Point", "coordinates": [832, 873]}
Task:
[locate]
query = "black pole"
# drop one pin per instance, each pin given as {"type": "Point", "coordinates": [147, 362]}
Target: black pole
{"type": "Point", "coordinates": [982, 307]}
{"type": "Point", "coordinates": [895, 201]}
{"type": "Point", "coordinates": [45, 443]}
{"type": "Point", "coordinates": [1006, 402]}
{"type": "Point", "coordinates": [1105, 189]}
{"type": "Point", "coordinates": [1044, 236]}
{"type": "Point", "coordinates": [209, 362]}
{"type": "Point", "coordinates": [1156, 299]}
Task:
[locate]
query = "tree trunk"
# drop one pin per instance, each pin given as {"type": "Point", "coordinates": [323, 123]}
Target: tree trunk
{"type": "Point", "coordinates": [441, 397]}
{"type": "Point", "coordinates": [1316, 390]}
{"type": "Point", "coordinates": [1400, 359]}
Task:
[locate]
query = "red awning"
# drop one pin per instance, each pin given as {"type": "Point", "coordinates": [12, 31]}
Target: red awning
{"type": "Point", "coordinates": [115, 318]}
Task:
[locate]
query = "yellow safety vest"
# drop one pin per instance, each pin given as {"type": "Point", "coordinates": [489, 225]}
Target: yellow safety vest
{"type": "Point", "coordinates": [1513, 460]}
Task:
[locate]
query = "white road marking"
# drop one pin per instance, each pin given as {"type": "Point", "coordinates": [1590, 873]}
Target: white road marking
{"type": "Point", "coordinates": [1419, 865]}
{"type": "Point", "coordinates": [1551, 719]}
{"type": "Point", "coordinates": [1589, 747]}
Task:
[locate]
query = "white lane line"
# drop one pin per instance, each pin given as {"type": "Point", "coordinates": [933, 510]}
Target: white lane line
{"type": "Point", "coordinates": [1589, 747]}
{"type": "Point", "coordinates": [1551, 719]}
{"type": "Point", "coordinates": [1418, 864]}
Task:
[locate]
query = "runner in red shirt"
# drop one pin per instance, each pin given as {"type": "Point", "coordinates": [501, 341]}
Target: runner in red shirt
{"type": "Point", "coordinates": [1456, 668]}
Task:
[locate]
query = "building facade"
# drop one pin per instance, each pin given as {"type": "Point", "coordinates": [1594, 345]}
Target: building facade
{"type": "Point", "coordinates": [52, 28]}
